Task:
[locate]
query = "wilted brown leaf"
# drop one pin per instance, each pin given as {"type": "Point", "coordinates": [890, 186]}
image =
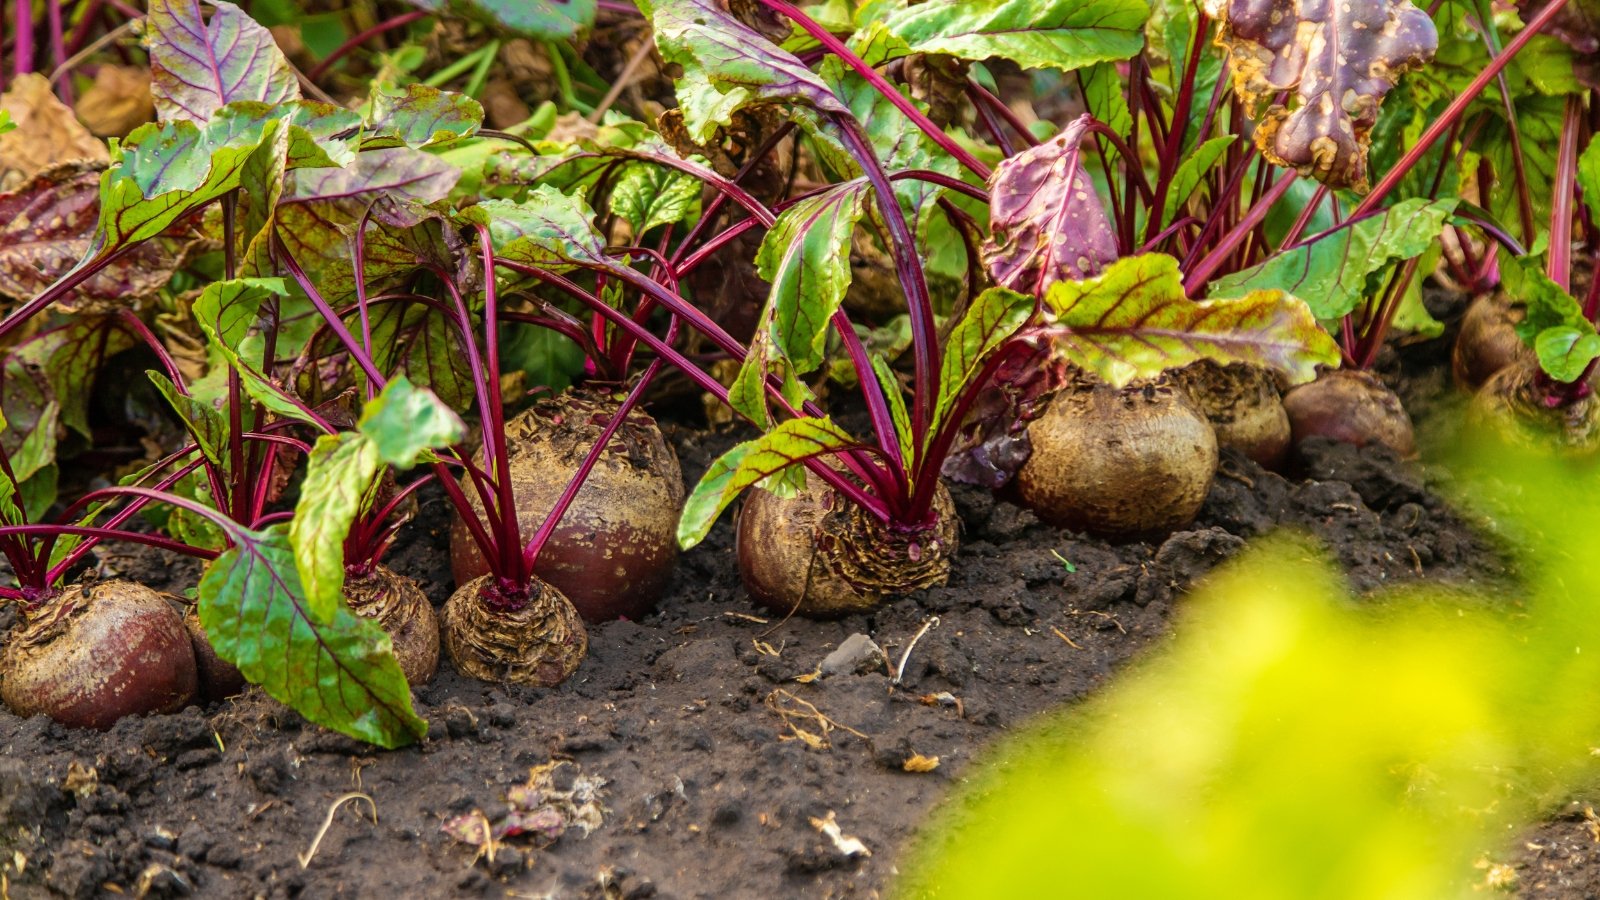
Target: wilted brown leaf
{"type": "Point", "coordinates": [1337, 57]}
{"type": "Point", "coordinates": [46, 133]}
{"type": "Point", "coordinates": [45, 228]}
{"type": "Point", "coordinates": [118, 102]}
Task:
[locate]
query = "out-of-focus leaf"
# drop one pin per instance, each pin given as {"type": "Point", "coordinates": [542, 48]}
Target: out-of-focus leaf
{"type": "Point", "coordinates": [68, 358]}
{"type": "Point", "coordinates": [1578, 23]}
{"type": "Point", "coordinates": [118, 102]}
{"type": "Point", "coordinates": [419, 116]}
{"type": "Point", "coordinates": [397, 427]}
{"type": "Point", "coordinates": [1330, 274]}
{"type": "Point", "coordinates": [1589, 177]}
{"type": "Point", "coordinates": [989, 321]}
{"type": "Point", "coordinates": [806, 257]}
{"type": "Point", "coordinates": [199, 66]}
{"type": "Point", "coordinates": [550, 19]}
{"type": "Point", "coordinates": [727, 65]}
{"type": "Point", "coordinates": [1134, 321]}
{"type": "Point", "coordinates": [340, 673]}
{"type": "Point", "coordinates": [1190, 173]}
{"type": "Point", "coordinates": [46, 226]}
{"type": "Point", "coordinates": [44, 132]}
{"type": "Point", "coordinates": [1338, 59]}
{"type": "Point", "coordinates": [1047, 220]}
{"type": "Point", "coordinates": [1554, 326]}
{"type": "Point", "coordinates": [646, 196]}
{"type": "Point", "coordinates": [1035, 34]}
{"type": "Point", "coordinates": [752, 462]}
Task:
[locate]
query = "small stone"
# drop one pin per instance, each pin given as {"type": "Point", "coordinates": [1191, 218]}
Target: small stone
{"type": "Point", "coordinates": [856, 654]}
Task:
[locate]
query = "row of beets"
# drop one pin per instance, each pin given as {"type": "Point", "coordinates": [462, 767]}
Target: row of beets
{"type": "Point", "coordinates": [1091, 355]}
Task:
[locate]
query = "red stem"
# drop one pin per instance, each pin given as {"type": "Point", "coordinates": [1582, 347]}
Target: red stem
{"type": "Point", "coordinates": [836, 47]}
{"type": "Point", "coordinates": [360, 38]}
{"type": "Point", "coordinates": [1457, 106]}
{"type": "Point", "coordinates": [1202, 272]}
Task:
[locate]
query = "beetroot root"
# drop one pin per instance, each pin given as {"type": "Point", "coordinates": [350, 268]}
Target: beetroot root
{"type": "Point", "coordinates": [93, 654]}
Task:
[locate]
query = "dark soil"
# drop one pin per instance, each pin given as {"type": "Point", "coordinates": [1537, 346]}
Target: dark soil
{"type": "Point", "coordinates": [716, 758]}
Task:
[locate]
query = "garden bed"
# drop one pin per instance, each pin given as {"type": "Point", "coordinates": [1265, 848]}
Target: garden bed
{"type": "Point", "coordinates": [693, 717]}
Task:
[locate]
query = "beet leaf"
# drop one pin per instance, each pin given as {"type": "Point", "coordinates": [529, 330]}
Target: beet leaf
{"type": "Point", "coordinates": [1134, 321]}
{"type": "Point", "coordinates": [1035, 34]}
{"type": "Point", "coordinates": [338, 671]}
{"type": "Point", "coordinates": [1330, 274]}
{"type": "Point", "coordinates": [399, 427]}
{"type": "Point", "coordinates": [1047, 218]}
{"type": "Point", "coordinates": [197, 66]}
{"type": "Point", "coordinates": [728, 65]}
{"type": "Point", "coordinates": [753, 462]}
{"type": "Point", "coordinates": [1337, 59]}
{"type": "Point", "coordinates": [1555, 326]}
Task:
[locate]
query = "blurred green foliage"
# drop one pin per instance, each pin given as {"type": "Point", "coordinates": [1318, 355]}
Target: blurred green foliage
{"type": "Point", "coordinates": [1290, 742]}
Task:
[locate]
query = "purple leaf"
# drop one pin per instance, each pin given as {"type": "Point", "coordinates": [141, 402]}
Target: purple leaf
{"type": "Point", "coordinates": [46, 226]}
{"type": "Point", "coordinates": [1047, 219]}
{"type": "Point", "coordinates": [198, 67]}
{"type": "Point", "coordinates": [1337, 58]}
{"type": "Point", "coordinates": [993, 442]}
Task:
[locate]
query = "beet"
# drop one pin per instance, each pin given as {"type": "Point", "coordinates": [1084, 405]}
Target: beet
{"type": "Point", "coordinates": [402, 610]}
{"type": "Point", "coordinates": [1487, 341]}
{"type": "Point", "coordinates": [1515, 402]}
{"type": "Point", "coordinates": [1350, 406]}
{"type": "Point", "coordinates": [614, 550]}
{"type": "Point", "coordinates": [819, 555]}
{"type": "Point", "coordinates": [538, 639]}
{"type": "Point", "coordinates": [1118, 462]}
{"type": "Point", "coordinates": [219, 679]}
{"type": "Point", "coordinates": [90, 655]}
{"type": "Point", "coordinates": [1244, 407]}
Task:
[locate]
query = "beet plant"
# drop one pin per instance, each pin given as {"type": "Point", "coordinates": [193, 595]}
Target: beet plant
{"type": "Point", "coordinates": [240, 158]}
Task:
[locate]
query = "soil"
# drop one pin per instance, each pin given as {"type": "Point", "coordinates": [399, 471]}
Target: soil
{"type": "Point", "coordinates": [719, 758]}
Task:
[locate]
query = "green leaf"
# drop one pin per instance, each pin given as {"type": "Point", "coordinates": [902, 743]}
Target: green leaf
{"type": "Point", "coordinates": [1103, 94]}
{"type": "Point", "coordinates": [549, 19]}
{"type": "Point", "coordinates": [5, 121]}
{"type": "Point", "coordinates": [338, 472]}
{"type": "Point", "coordinates": [419, 116]}
{"type": "Point", "coordinates": [1589, 177]}
{"type": "Point", "coordinates": [726, 65]}
{"type": "Point", "coordinates": [198, 66]}
{"type": "Point", "coordinates": [646, 196]}
{"type": "Point", "coordinates": [549, 229]}
{"type": "Point", "coordinates": [404, 422]}
{"type": "Point", "coordinates": [1566, 351]}
{"type": "Point", "coordinates": [398, 427]}
{"type": "Point", "coordinates": [993, 317]}
{"type": "Point", "coordinates": [895, 393]}
{"type": "Point", "coordinates": [751, 462]}
{"type": "Point", "coordinates": [1035, 34]}
{"type": "Point", "coordinates": [1330, 274]}
{"type": "Point", "coordinates": [806, 257]}
{"type": "Point", "coordinates": [225, 311]}
{"type": "Point", "coordinates": [340, 673]}
{"type": "Point", "coordinates": [1190, 173]}
{"type": "Point", "coordinates": [205, 423]}
{"type": "Point", "coordinates": [1134, 321]}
